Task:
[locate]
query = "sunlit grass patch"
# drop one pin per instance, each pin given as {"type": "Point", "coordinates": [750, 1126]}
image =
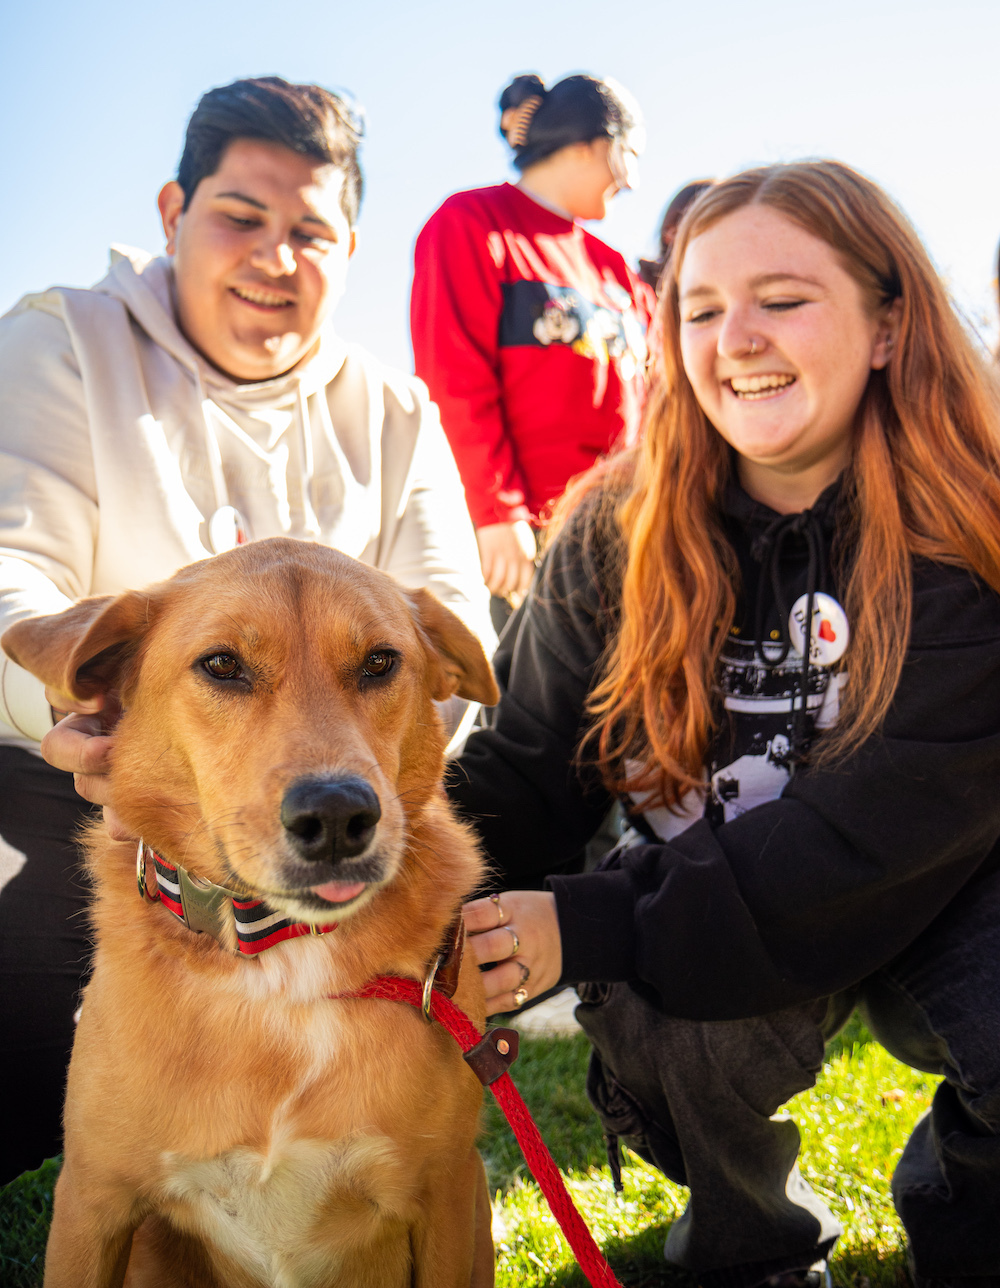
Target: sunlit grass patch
{"type": "Point", "coordinates": [854, 1124]}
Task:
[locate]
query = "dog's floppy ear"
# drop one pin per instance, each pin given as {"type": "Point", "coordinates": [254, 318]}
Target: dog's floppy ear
{"type": "Point", "coordinates": [80, 651]}
{"type": "Point", "coordinates": [461, 666]}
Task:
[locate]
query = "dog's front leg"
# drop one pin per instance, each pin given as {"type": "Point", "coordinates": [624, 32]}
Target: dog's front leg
{"type": "Point", "coordinates": [89, 1244]}
{"type": "Point", "coordinates": [453, 1245]}
{"type": "Point", "coordinates": [484, 1262]}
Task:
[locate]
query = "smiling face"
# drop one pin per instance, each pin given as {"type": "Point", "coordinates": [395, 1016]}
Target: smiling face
{"type": "Point", "coordinates": [778, 342]}
{"type": "Point", "coordinates": [260, 257]}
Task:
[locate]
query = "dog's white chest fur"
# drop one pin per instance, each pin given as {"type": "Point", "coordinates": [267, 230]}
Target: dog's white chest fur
{"type": "Point", "coordinates": [275, 1214]}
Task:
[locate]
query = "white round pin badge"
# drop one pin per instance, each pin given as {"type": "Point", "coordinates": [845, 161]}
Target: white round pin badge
{"type": "Point", "coordinates": [830, 632]}
{"type": "Point", "coordinates": [226, 529]}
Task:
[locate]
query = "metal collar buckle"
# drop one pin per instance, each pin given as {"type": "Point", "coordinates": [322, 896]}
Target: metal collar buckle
{"type": "Point", "coordinates": [208, 908]}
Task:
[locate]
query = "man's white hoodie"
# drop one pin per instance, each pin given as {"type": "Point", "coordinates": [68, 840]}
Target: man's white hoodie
{"type": "Point", "coordinates": [118, 443]}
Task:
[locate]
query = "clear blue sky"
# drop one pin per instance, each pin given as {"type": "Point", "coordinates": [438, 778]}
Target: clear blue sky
{"type": "Point", "coordinates": [94, 97]}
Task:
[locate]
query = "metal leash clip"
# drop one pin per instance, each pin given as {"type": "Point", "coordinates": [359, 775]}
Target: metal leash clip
{"type": "Point", "coordinates": [443, 974]}
{"type": "Point", "coordinates": [425, 1001]}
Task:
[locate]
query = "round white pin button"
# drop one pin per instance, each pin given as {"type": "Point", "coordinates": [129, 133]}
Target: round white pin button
{"type": "Point", "coordinates": [226, 529]}
{"type": "Point", "coordinates": [830, 632]}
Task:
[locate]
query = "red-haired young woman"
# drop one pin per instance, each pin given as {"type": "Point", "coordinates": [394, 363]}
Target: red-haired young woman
{"type": "Point", "coordinates": [773, 631]}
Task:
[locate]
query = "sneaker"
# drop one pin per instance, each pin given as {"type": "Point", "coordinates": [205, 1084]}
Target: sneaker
{"type": "Point", "coordinates": [817, 1276]}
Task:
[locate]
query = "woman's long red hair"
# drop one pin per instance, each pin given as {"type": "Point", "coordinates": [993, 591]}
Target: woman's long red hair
{"type": "Point", "coordinates": [924, 480]}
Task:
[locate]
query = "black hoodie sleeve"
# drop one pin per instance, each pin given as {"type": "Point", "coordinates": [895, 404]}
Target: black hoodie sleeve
{"type": "Point", "coordinates": [518, 781]}
{"type": "Point", "coordinates": [796, 898]}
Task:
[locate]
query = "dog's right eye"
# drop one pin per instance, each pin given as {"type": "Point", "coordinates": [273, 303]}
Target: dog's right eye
{"type": "Point", "coordinates": [223, 666]}
{"type": "Point", "coordinates": [379, 663]}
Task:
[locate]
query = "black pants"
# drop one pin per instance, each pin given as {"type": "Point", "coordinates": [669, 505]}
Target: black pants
{"type": "Point", "coordinates": [696, 1099]}
{"type": "Point", "coordinates": [44, 953]}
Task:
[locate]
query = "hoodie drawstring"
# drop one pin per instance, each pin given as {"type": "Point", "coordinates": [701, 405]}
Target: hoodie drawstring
{"type": "Point", "coordinates": [213, 452]}
{"type": "Point", "coordinates": [768, 549]}
{"type": "Point", "coordinates": [310, 524]}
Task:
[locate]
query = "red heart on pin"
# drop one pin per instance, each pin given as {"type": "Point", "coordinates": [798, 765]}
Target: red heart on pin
{"type": "Point", "coordinates": [826, 631]}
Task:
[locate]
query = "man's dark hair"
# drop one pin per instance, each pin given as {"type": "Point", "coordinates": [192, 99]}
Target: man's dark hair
{"type": "Point", "coordinates": [306, 119]}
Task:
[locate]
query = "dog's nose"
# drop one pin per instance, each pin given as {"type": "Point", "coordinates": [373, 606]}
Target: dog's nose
{"type": "Point", "coordinates": [328, 818]}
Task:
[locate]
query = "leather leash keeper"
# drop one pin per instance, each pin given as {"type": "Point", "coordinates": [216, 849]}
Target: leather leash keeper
{"type": "Point", "coordinates": [492, 1057]}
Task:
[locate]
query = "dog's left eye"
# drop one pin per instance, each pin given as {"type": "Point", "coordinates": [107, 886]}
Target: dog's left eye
{"type": "Point", "coordinates": [378, 663]}
{"type": "Point", "coordinates": [223, 666]}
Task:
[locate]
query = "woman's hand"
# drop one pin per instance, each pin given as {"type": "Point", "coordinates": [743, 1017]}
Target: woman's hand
{"type": "Point", "coordinates": [81, 745]}
{"type": "Point", "coordinates": [507, 556]}
{"type": "Point", "coordinates": [519, 930]}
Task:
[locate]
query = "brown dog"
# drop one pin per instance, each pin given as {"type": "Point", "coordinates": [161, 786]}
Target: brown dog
{"type": "Point", "coordinates": [227, 1124]}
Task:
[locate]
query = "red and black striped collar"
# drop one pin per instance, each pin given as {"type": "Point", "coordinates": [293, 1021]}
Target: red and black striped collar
{"type": "Point", "coordinates": [213, 910]}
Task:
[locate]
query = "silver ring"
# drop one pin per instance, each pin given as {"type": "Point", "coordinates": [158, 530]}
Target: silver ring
{"type": "Point", "coordinates": [495, 898]}
{"type": "Point", "coordinates": [525, 972]}
{"type": "Point", "coordinates": [521, 996]}
{"type": "Point", "coordinates": [753, 347]}
{"type": "Point", "coordinates": [517, 942]}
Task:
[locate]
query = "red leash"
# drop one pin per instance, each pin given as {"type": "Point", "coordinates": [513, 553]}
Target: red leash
{"type": "Point", "coordinates": [390, 988]}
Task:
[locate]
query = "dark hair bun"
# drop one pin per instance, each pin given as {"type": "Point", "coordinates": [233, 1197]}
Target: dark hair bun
{"type": "Point", "coordinates": [518, 104]}
{"type": "Point", "coordinates": [521, 87]}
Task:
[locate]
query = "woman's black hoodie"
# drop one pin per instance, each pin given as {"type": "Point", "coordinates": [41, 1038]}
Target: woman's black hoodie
{"type": "Point", "coordinates": [752, 907]}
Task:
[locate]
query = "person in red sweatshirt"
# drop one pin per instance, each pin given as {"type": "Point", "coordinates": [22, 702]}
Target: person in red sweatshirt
{"type": "Point", "coordinates": [529, 331]}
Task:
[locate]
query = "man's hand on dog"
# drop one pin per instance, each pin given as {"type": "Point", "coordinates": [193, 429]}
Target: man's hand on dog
{"type": "Point", "coordinates": [519, 930]}
{"type": "Point", "coordinates": [81, 745]}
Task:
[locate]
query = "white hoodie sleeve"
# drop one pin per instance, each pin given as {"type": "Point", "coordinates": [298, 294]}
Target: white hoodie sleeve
{"type": "Point", "coordinates": [426, 537]}
{"type": "Point", "coordinates": [429, 541]}
{"type": "Point", "coordinates": [48, 507]}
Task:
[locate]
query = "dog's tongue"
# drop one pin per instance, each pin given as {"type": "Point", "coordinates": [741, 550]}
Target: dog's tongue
{"type": "Point", "coordinates": [339, 891]}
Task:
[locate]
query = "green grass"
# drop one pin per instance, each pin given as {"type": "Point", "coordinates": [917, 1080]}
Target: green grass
{"type": "Point", "coordinates": [854, 1124]}
{"type": "Point", "coordinates": [25, 1212]}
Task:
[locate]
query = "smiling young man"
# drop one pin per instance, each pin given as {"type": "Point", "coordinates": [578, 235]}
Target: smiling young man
{"type": "Point", "coordinates": [185, 404]}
